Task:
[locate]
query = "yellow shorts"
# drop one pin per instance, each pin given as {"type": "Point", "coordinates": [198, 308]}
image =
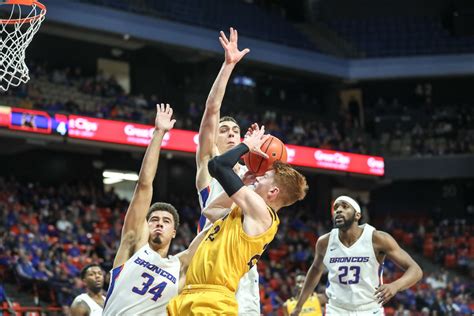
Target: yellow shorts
{"type": "Point", "coordinates": [203, 299]}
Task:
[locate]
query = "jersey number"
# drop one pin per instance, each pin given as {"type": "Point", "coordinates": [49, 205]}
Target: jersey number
{"type": "Point", "coordinates": [344, 271]}
{"type": "Point", "coordinates": [156, 290]}
{"type": "Point", "coordinates": [212, 235]}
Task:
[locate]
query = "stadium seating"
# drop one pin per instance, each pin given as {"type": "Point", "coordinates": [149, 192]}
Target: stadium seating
{"type": "Point", "coordinates": [248, 19]}
{"type": "Point", "coordinates": [292, 250]}
{"type": "Point", "coordinates": [391, 36]}
{"type": "Point", "coordinates": [449, 244]}
{"type": "Point", "coordinates": [408, 131]}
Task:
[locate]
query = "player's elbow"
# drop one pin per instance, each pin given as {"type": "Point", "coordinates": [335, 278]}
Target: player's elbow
{"type": "Point", "coordinates": [209, 214]}
{"type": "Point", "coordinates": [415, 273]}
{"type": "Point", "coordinates": [212, 106]}
{"type": "Point", "coordinates": [206, 212]}
{"type": "Point", "coordinates": [144, 184]}
{"type": "Point", "coordinates": [418, 272]}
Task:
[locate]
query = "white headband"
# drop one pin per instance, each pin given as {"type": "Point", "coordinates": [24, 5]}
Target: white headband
{"type": "Point", "coordinates": [349, 201]}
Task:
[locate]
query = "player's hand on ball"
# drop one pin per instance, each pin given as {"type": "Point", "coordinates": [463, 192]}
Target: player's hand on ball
{"type": "Point", "coordinates": [232, 53]}
{"type": "Point", "coordinates": [385, 292]}
{"type": "Point", "coordinates": [251, 129]}
{"type": "Point", "coordinates": [164, 121]}
{"type": "Point", "coordinates": [255, 140]}
{"type": "Point", "coordinates": [295, 312]}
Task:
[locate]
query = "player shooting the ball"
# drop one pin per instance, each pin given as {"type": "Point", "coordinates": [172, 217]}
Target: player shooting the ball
{"type": "Point", "coordinates": [235, 243]}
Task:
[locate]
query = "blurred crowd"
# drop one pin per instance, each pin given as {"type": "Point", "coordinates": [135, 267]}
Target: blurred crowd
{"type": "Point", "coordinates": [447, 242]}
{"type": "Point", "coordinates": [424, 129]}
{"type": "Point", "coordinates": [48, 233]}
{"type": "Point", "coordinates": [436, 294]}
{"type": "Point", "coordinates": [387, 128]}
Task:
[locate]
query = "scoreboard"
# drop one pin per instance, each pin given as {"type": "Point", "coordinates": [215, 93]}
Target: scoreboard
{"type": "Point", "coordinates": [33, 121]}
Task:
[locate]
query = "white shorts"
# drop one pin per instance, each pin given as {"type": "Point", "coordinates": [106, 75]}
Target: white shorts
{"type": "Point", "coordinates": [337, 311]}
{"type": "Point", "coordinates": [248, 294]}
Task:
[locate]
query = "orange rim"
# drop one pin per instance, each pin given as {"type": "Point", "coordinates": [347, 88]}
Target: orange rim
{"type": "Point", "coordinates": [29, 19]}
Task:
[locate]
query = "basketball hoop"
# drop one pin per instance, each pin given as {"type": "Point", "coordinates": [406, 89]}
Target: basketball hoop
{"type": "Point", "coordinates": [19, 22]}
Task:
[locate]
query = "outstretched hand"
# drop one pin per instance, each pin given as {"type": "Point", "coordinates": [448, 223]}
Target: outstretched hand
{"type": "Point", "coordinates": [255, 139]}
{"type": "Point", "coordinates": [251, 129]}
{"type": "Point", "coordinates": [163, 120]}
{"type": "Point", "coordinates": [232, 53]}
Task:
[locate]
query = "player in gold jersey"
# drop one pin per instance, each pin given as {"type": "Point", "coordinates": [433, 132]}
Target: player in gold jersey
{"type": "Point", "coordinates": [312, 307]}
{"type": "Point", "coordinates": [235, 242]}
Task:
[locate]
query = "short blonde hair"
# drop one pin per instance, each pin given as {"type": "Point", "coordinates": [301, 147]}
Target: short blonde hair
{"type": "Point", "coordinates": [292, 184]}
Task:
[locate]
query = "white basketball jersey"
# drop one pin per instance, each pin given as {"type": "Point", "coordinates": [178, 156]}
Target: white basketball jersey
{"type": "Point", "coordinates": [96, 309]}
{"type": "Point", "coordinates": [354, 272]}
{"type": "Point", "coordinates": [143, 285]}
{"type": "Point", "coordinates": [214, 189]}
{"type": "Point", "coordinates": [209, 193]}
{"type": "Point", "coordinates": [248, 292]}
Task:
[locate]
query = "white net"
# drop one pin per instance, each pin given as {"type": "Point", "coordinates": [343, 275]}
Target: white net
{"type": "Point", "coordinates": [18, 24]}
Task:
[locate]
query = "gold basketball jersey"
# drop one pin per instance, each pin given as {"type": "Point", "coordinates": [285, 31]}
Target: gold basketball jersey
{"type": "Point", "coordinates": [310, 308]}
{"type": "Point", "coordinates": [227, 252]}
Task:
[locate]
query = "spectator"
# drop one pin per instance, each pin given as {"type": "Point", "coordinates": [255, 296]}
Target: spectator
{"type": "Point", "coordinates": [63, 224]}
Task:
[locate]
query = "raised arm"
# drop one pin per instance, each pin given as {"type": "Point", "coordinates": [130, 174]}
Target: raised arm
{"type": "Point", "coordinates": [210, 120]}
{"type": "Point", "coordinates": [135, 230]}
{"type": "Point", "coordinates": [253, 206]}
{"type": "Point", "coordinates": [384, 243]}
{"type": "Point", "coordinates": [314, 273]}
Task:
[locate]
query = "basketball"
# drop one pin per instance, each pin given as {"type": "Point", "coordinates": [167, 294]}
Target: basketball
{"type": "Point", "coordinates": [274, 148]}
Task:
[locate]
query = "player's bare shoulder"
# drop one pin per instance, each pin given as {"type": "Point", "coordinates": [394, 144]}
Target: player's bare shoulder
{"type": "Point", "coordinates": [322, 244]}
{"type": "Point", "coordinates": [382, 241]}
{"type": "Point", "coordinates": [79, 307]}
{"type": "Point", "coordinates": [380, 236]}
